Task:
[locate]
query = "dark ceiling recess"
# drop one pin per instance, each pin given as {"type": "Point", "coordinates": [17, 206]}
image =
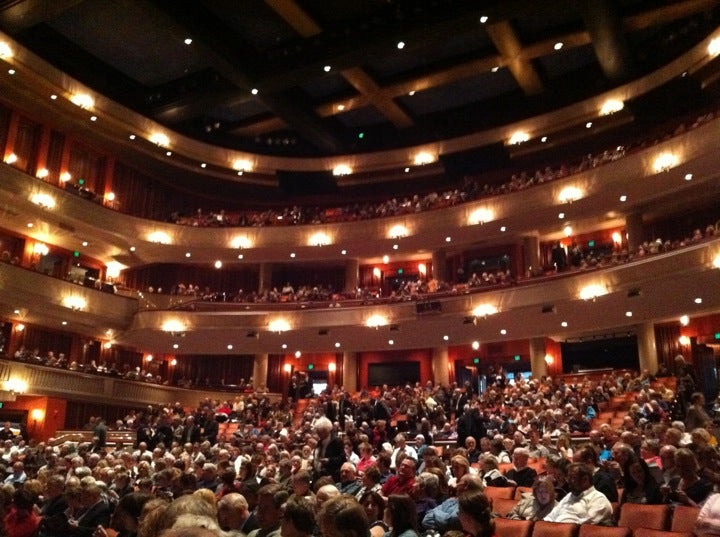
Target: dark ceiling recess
{"type": "Point", "coordinates": [297, 184]}
{"type": "Point", "coordinates": [490, 157]}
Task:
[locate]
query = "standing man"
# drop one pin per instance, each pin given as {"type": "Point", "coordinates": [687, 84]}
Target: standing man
{"type": "Point", "coordinates": [329, 453]}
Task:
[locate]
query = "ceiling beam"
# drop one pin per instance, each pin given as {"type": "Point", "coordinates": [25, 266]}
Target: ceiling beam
{"type": "Point", "coordinates": [23, 14]}
{"type": "Point", "coordinates": [508, 45]}
{"type": "Point", "coordinates": [608, 40]}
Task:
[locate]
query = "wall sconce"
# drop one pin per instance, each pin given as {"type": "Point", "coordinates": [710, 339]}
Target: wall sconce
{"type": "Point", "coordinates": [149, 358]}
{"type": "Point", "coordinates": [279, 326]}
{"type": "Point", "coordinates": [19, 327]}
{"type": "Point", "coordinates": [713, 47]}
{"type": "Point", "coordinates": [569, 194]}
{"type": "Point", "coordinates": [319, 239]}
{"type": "Point", "coordinates": [611, 106]}
{"type": "Point", "coordinates": [75, 303]}
{"type": "Point", "coordinates": [42, 173]}
{"type": "Point", "coordinates": [549, 359]}
{"type": "Point", "coordinates": [46, 201]}
{"type": "Point", "coordinates": [422, 268]}
{"type": "Point", "coordinates": [480, 216]}
{"type": "Point", "coordinates": [37, 414]}
{"type": "Point", "coordinates": [107, 345]}
{"type": "Point", "coordinates": [159, 139]}
{"type": "Point", "coordinates": [716, 262]}
{"type": "Point", "coordinates": [11, 158]}
{"type": "Point", "coordinates": [398, 232]}
{"type": "Point", "coordinates": [65, 177]}
{"type": "Point", "coordinates": [664, 162]}
{"type": "Point", "coordinates": [568, 230]}
{"type": "Point", "coordinates": [5, 50]}
{"type": "Point", "coordinates": [342, 169]}
{"type": "Point", "coordinates": [113, 269]}
{"type": "Point", "coordinates": [617, 237]}
{"type": "Point", "coordinates": [173, 362]}
{"type": "Point", "coordinates": [332, 367]}
{"type": "Point", "coordinates": [287, 368]}
{"type": "Point", "coordinates": [591, 292]}
{"type": "Point", "coordinates": [376, 321]}
{"type": "Point", "coordinates": [423, 158]}
{"type": "Point", "coordinates": [41, 249]}
{"type": "Point", "coordinates": [684, 341]}
{"type": "Point", "coordinates": [242, 165]}
{"type": "Point", "coordinates": [159, 237]}
{"type": "Point", "coordinates": [241, 242]}
{"type": "Point", "coordinates": [483, 310]}
{"type": "Point", "coordinates": [518, 137]}
{"type": "Point", "coordinates": [83, 100]}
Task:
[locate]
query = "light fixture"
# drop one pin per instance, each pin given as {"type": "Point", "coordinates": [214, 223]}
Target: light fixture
{"type": "Point", "coordinates": [341, 107]}
{"type": "Point", "coordinates": [242, 165]}
{"type": "Point", "coordinates": [503, 332]}
{"type": "Point", "coordinates": [568, 230]}
{"type": "Point", "coordinates": [83, 100]}
{"type": "Point", "coordinates": [503, 229]}
{"type": "Point", "coordinates": [188, 41]}
{"type": "Point", "coordinates": [684, 341]}
{"type": "Point", "coordinates": [475, 345]}
{"type": "Point", "coordinates": [483, 19]}
{"type": "Point", "coordinates": [342, 169]}
{"type": "Point", "coordinates": [298, 354]}
{"type": "Point", "coordinates": [611, 106]}
{"type": "Point", "coordinates": [446, 337]}
{"type": "Point", "coordinates": [15, 385]}
{"type": "Point", "coordinates": [279, 326]}
{"type": "Point", "coordinates": [664, 162]}
{"type": "Point", "coordinates": [149, 358]}
{"type": "Point", "coordinates": [376, 321]}
{"type": "Point", "coordinates": [203, 165]}
{"type": "Point", "coordinates": [569, 194]}
{"type": "Point", "coordinates": [173, 362]}
{"type": "Point", "coordinates": [386, 259]}
{"type": "Point", "coordinates": [684, 320]}
{"type": "Point", "coordinates": [107, 345]}
{"type": "Point", "coordinates": [188, 254]}
{"type": "Point", "coordinates": [159, 139]}
{"type": "Point", "coordinates": [716, 262]}
{"type": "Point", "coordinates": [395, 246]}
{"type": "Point", "coordinates": [483, 310]}
{"type": "Point", "coordinates": [376, 272]}
{"type": "Point", "coordinates": [292, 255]}
{"type": "Point", "coordinates": [448, 239]}
{"type": "Point", "coordinates": [5, 50]}
{"type": "Point", "coordinates": [218, 264]}
{"type": "Point", "coordinates": [319, 239]}
{"type": "Point", "coordinates": [549, 359]}
{"type": "Point", "coordinates": [42, 173]}
{"type": "Point", "coordinates": [544, 139]}
{"type": "Point", "coordinates": [159, 237]}
{"type": "Point", "coordinates": [713, 47]}
{"type": "Point", "coordinates": [398, 231]}
{"type": "Point", "coordinates": [391, 342]}
{"type": "Point", "coordinates": [41, 249]}
{"type": "Point", "coordinates": [617, 237]}
{"type": "Point", "coordinates": [74, 302]}
{"type": "Point", "coordinates": [11, 158]}
{"type": "Point", "coordinates": [593, 291]}
{"type": "Point", "coordinates": [480, 216]}
{"type": "Point", "coordinates": [327, 68]}
{"type": "Point", "coordinates": [241, 242]}
{"type": "Point", "coordinates": [65, 177]}
{"type": "Point", "coordinates": [628, 314]}
{"type": "Point", "coordinates": [174, 326]}
{"type": "Point", "coordinates": [422, 268]}
{"type": "Point", "coordinates": [623, 198]}
{"type": "Point", "coordinates": [411, 93]}
{"type": "Point", "coordinates": [588, 125]}
{"type": "Point", "coordinates": [401, 45]}
{"type": "Point", "coordinates": [229, 347]}
{"type": "Point", "coordinates": [518, 137]}
{"type": "Point", "coordinates": [343, 252]}
{"type": "Point", "coordinates": [110, 196]}
{"type": "Point", "coordinates": [254, 91]}
{"type": "Point", "coordinates": [698, 300]}
{"type": "Point", "coordinates": [558, 45]}
{"type": "Point", "coordinates": [423, 158]}
{"type": "Point", "coordinates": [688, 176]}
{"type": "Point", "coordinates": [46, 201]}
{"type": "Point", "coordinates": [332, 367]}
{"type": "Point", "coordinates": [564, 324]}
{"type": "Point", "coordinates": [287, 368]}
{"type": "Point", "coordinates": [495, 69]}
{"type": "Point", "coordinates": [337, 345]}
{"type": "Point", "coordinates": [93, 118]}
{"type": "Point", "coordinates": [561, 216]}
{"type": "Point", "coordinates": [19, 327]}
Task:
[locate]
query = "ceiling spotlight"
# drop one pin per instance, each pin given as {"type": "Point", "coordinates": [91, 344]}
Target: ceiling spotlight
{"type": "Point", "coordinates": [188, 41]}
{"type": "Point", "coordinates": [327, 68]}
{"type": "Point", "coordinates": [564, 324]}
{"type": "Point", "coordinates": [254, 91]}
{"type": "Point", "coordinates": [588, 124]}
{"type": "Point", "coordinates": [688, 176]}
{"type": "Point", "coordinates": [558, 45]}
{"type": "Point", "coordinates": [684, 320]}
{"type": "Point", "coordinates": [401, 45]}
{"type": "Point", "coordinates": [483, 19]}
{"type": "Point", "coordinates": [475, 345]}
{"type": "Point", "coordinates": [623, 198]}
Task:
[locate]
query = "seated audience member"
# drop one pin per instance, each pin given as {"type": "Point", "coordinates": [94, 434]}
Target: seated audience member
{"type": "Point", "coordinates": [475, 514]}
{"type": "Point", "coordinates": [556, 470]}
{"type": "Point", "coordinates": [401, 516]}
{"type": "Point", "coordinates": [459, 466]}
{"type": "Point", "coordinates": [403, 482]}
{"type": "Point", "coordinates": [425, 493]}
{"type": "Point", "coordinates": [696, 416]}
{"type": "Point", "coordinates": [269, 510]}
{"type": "Point", "coordinates": [583, 504]}
{"type": "Point", "coordinates": [689, 488]}
{"type": "Point", "coordinates": [708, 520]}
{"type": "Point", "coordinates": [489, 472]}
{"type": "Point", "coordinates": [601, 479]}
{"type": "Point", "coordinates": [639, 486]}
{"type": "Point", "coordinates": [21, 519]}
{"type": "Point", "coordinates": [446, 517]}
{"type": "Point", "coordinates": [521, 474]}
{"type": "Point", "coordinates": [234, 514]}
{"type": "Point", "coordinates": [374, 506]}
{"type": "Point", "coordinates": [349, 483]}
{"type": "Point", "coordinates": [536, 505]}
{"type": "Point", "coordinates": [298, 518]}
{"type": "Point", "coordinates": [366, 458]}
{"type": "Point", "coordinates": [343, 516]}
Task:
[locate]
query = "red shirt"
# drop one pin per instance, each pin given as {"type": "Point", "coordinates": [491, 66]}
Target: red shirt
{"type": "Point", "coordinates": [394, 486]}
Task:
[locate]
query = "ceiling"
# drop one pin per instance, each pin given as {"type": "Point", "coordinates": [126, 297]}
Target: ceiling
{"type": "Point", "coordinates": [457, 73]}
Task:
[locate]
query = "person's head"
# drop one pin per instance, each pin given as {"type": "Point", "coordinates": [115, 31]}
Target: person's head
{"type": "Point", "coordinates": [343, 516]}
{"type": "Point", "coordinates": [298, 518]}
{"type": "Point", "coordinates": [301, 483]}
{"type": "Point", "coordinates": [347, 472]}
{"type": "Point", "coordinates": [232, 511]}
{"type": "Point", "coordinates": [667, 457]}
{"type": "Point", "coordinates": [459, 466]}
{"type": "Point", "coordinates": [700, 437]}
{"type": "Point", "coordinates": [469, 482]}
{"type": "Point", "coordinates": [544, 491]}
{"type": "Point", "coordinates": [697, 399]}
{"type": "Point", "coordinates": [371, 477]}
{"type": "Point", "coordinates": [188, 504]}
{"type": "Point", "coordinates": [127, 513]}
{"type": "Point", "coordinates": [685, 462]}
{"type": "Point", "coordinates": [622, 453]}
{"type": "Point", "coordinates": [374, 505]}
{"type": "Point", "coordinates": [520, 458]}
{"type": "Point", "coordinates": [400, 514]}
{"type": "Point", "coordinates": [470, 443]}
{"type": "Point", "coordinates": [323, 427]}
{"type": "Point", "coordinates": [579, 478]}
{"type": "Point", "coordinates": [325, 493]}
{"type": "Point", "coordinates": [427, 485]}
{"type": "Point", "coordinates": [556, 468]}
{"type": "Point", "coordinates": [270, 500]}
{"type": "Point", "coordinates": [476, 514]}
{"type": "Point", "coordinates": [406, 469]}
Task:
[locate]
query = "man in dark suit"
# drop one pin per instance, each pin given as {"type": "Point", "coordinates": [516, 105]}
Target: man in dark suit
{"type": "Point", "coordinates": [191, 431]}
{"type": "Point", "coordinates": [211, 429]}
{"type": "Point", "coordinates": [329, 453]}
{"type": "Point", "coordinates": [97, 513]}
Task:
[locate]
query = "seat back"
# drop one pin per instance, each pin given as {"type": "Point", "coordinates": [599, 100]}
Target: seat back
{"type": "Point", "coordinates": [505, 527]}
{"type": "Point", "coordinates": [684, 518]}
{"type": "Point", "coordinates": [505, 493]}
{"type": "Point", "coordinates": [589, 530]}
{"type": "Point", "coordinates": [520, 490]}
{"type": "Point", "coordinates": [503, 506]}
{"type": "Point", "coordinates": [554, 529]}
{"type": "Point", "coordinates": [635, 515]}
{"type": "Point", "coordinates": [647, 532]}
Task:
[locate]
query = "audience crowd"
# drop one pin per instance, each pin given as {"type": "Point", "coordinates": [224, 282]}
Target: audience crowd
{"type": "Point", "coordinates": [394, 461]}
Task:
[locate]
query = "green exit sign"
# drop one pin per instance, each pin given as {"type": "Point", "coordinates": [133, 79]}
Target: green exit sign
{"type": "Point", "coordinates": [311, 366]}
{"type": "Point", "coordinates": [476, 360]}
{"type": "Point", "coordinates": [717, 335]}
{"type": "Point", "coordinates": [591, 244]}
{"type": "Point", "coordinates": [516, 357]}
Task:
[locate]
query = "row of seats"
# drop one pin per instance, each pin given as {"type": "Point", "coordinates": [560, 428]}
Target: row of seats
{"type": "Point", "coordinates": [657, 518]}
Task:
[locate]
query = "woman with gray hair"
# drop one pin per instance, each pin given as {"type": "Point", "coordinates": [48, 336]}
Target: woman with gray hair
{"type": "Point", "coordinates": [425, 493]}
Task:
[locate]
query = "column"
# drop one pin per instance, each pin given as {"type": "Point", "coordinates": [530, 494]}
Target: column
{"type": "Point", "coordinates": [538, 365]}
{"type": "Point", "coordinates": [265, 277]}
{"type": "Point", "coordinates": [440, 363]}
{"type": "Point", "coordinates": [647, 349]}
{"type": "Point", "coordinates": [352, 275]}
{"type": "Point", "coordinates": [439, 265]}
{"type": "Point", "coordinates": [350, 380]}
{"type": "Point", "coordinates": [634, 231]}
{"type": "Point", "coordinates": [260, 370]}
{"type": "Point", "coordinates": [531, 254]}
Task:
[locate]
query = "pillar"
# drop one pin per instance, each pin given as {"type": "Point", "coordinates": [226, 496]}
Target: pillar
{"type": "Point", "coordinates": [440, 363]}
{"type": "Point", "coordinates": [352, 275]}
{"type": "Point", "coordinates": [260, 370]}
{"type": "Point", "coordinates": [350, 370]}
{"type": "Point", "coordinates": [634, 231]}
{"type": "Point", "coordinates": [439, 265]}
{"type": "Point", "coordinates": [265, 277]}
{"type": "Point", "coordinates": [538, 365]}
{"type": "Point", "coordinates": [531, 254]}
{"type": "Point", "coordinates": [647, 349]}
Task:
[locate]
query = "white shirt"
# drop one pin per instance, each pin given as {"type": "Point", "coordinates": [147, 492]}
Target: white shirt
{"type": "Point", "coordinates": [590, 507]}
{"type": "Point", "coordinates": [409, 452]}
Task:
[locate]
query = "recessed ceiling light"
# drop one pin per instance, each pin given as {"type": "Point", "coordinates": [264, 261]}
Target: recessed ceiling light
{"type": "Point", "coordinates": [503, 229]}
{"type": "Point", "coordinates": [341, 107]}
{"type": "Point", "coordinates": [391, 342]}
{"type": "Point", "coordinates": [401, 45]}
{"type": "Point", "coordinates": [132, 248]}
{"type": "Point", "coordinates": [254, 91]}
{"type": "Point", "coordinates": [395, 246]}
{"type": "Point", "coordinates": [588, 124]}
{"type": "Point", "coordinates": [684, 320]}
{"type": "Point", "coordinates": [298, 354]}
{"type": "Point", "coordinates": [446, 338]}
{"type": "Point", "coordinates": [203, 165]}
{"type": "Point", "coordinates": [623, 198]}
{"type": "Point", "coordinates": [292, 254]}
{"type": "Point", "coordinates": [448, 239]}
{"type": "Point", "coordinates": [688, 176]}
{"type": "Point", "coordinates": [188, 254]}
{"type": "Point", "coordinates": [175, 346]}
{"type": "Point", "coordinates": [169, 153]}
{"type": "Point", "coordinates": [495, 69]}
{"type": "Point", "coordinates": [93, 118]}
{"type": "Point", "coordinates": [337, 344]}
{"type": "Point", "coordinates": [503, 332]}
{"type": "Point", "coordinates": [698, 300]}
{"type": "Point", "coordinates": [53, 97]}
{"type": "Point", "coordinates": [475, 345]}
{"type": "Point", "coordinates": [229, 347]}
{"type": "Point", "coordinates": [483, 19]}
{"type": "Point", "coordinates": [11, 71]}
{"type": "Point", "coordinates": [543, 139]}
{"type": "Point", "coordinates": [628, 314]}
{"type": "Point", "coordinates": [561, 215]}
{"type": "Point", "coordinates": [188, 41]}
{"type": "Point", "coordinates": [64, 323]}
{"type": "Point", "coordinates": [327, 68]}
{"type": "Point", "coordinates": [132, 136]}
{"type": "Point", "coordinates": [558, 45]}
{"type": "Point", "coordinates": [84, 243]}
{"type": "Point", "coordinates": [240, 256]}
{"type": "Point", "coordinates": [284, 345]}
{"type": "Point", "coordinates": [411, 93]}
{"type": "Point", "coordinates": [218, 264]}
{"type": "Point", "coordinates": [407, 170]}
{"type": "Point", "coordinates": [343, 252]}
{"type": "Point", "coordinates": [386, 259]}
{"type": "Point", "coordinates": [30, 224]}
{"type": "Point", "coordinates": [564, 324]}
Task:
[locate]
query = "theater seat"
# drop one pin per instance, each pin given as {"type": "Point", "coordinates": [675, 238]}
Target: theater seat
{"type": "Point", "coordinates": [503, 506]}
{"type": "Point", "coordinates": [513, 528]}
{"type": "Point", "coordinates": [684, 518]}
{"type": "Point", "coordinates": [520, 490]}
{"type": "Point", "coordinates": [554, 529]}
{"type": "Point", "coordinates": [635, 515]}
{"type": "Point", "coordinates": [505, 493]}
{"type": "Point", "coordinates": [646, 532]}
{"type": "Point", "coordinates": [589, 530]}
